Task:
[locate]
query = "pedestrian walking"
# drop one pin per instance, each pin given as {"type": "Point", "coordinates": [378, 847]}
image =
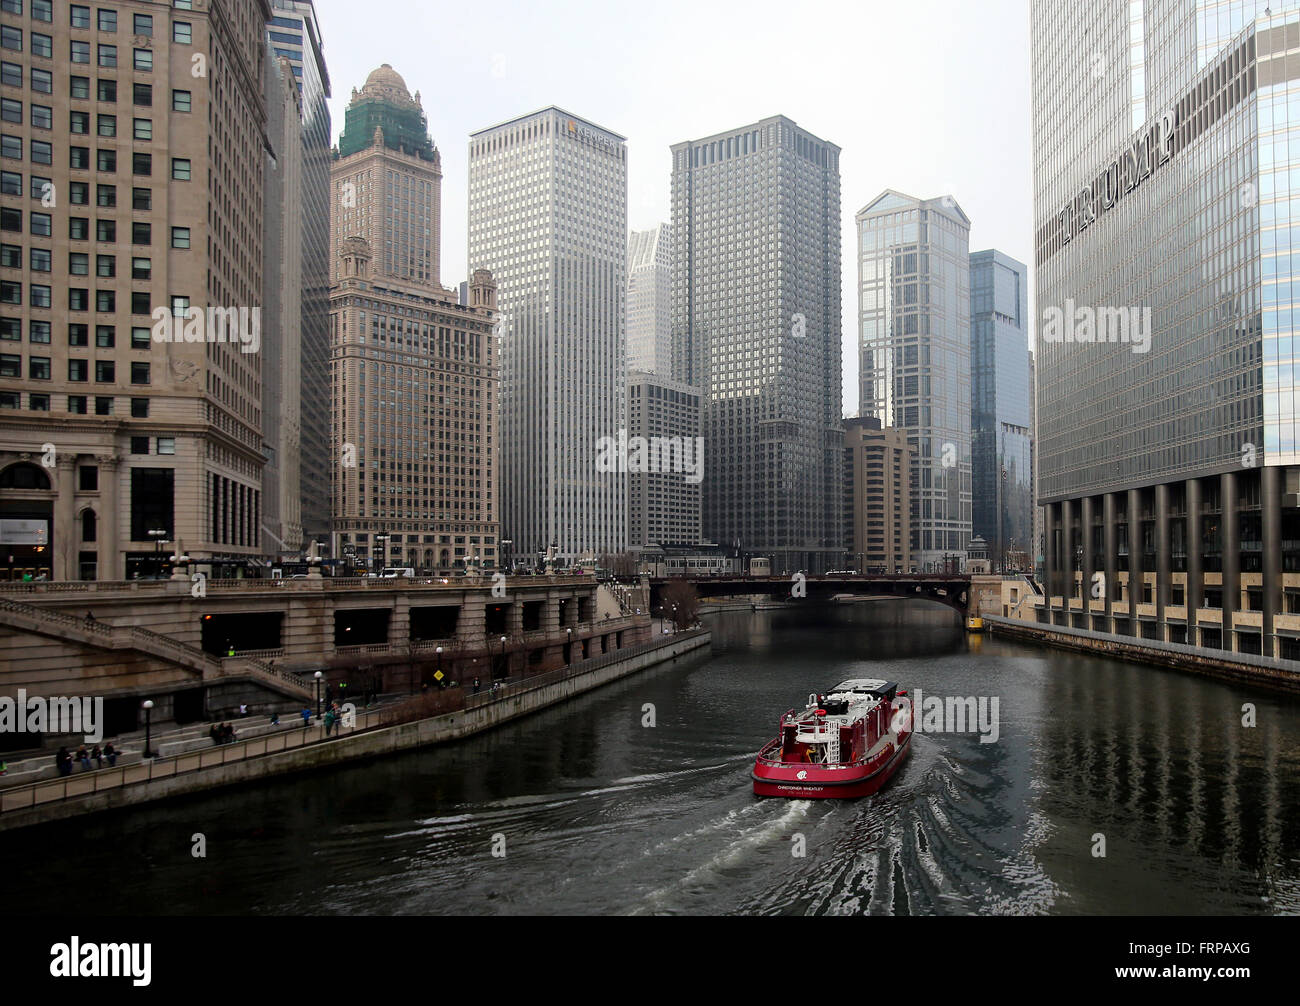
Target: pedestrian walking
{"type": "Point", "coordinates": [329, 722]}
{"type": "Point", "coordinates": [476, 686]}
{"type": "Point", "coordinates": [275, 719]}
{"type": "Point", "coordinates": [306, 717]}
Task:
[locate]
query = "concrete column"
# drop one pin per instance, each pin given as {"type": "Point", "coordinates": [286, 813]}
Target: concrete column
{"type": "Point", "coordinates": [399, 624]}
{"type": "Point", "coordinates": [111, 533]}
{"type": "Point", "coordinates": [1135, 571]}
{"type": "Point", "coordinates": [1162, 559]}
{"type": "Point", "coordinates": [1195, 573]}
{"type": "Point", "coordinates": [1067, 551]}
{"type": "Point", "coordinates": [1049, 550]}
{"type": "Point", "coordinates": [1270, 500]}
{"type": "Point", "coordinates": [1231, 553]}
{"type": "Point", "coordinates": [1085, 539]}
{"type": "Point", "coordinates": [1109, 549]}
{"type": "Point", "coordinates": [66, 537]}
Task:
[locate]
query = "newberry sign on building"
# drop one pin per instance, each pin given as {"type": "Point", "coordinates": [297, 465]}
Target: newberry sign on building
{"type": "Point", "coordinates": [1148, 151]}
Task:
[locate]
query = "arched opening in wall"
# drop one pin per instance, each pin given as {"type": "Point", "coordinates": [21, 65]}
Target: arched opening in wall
{"type": "Point", "coordinates": [444, 558]}
{"type": "Point", "coordinates": [89, 525]}
{"type": "Point", "coordinates": [26, 523]}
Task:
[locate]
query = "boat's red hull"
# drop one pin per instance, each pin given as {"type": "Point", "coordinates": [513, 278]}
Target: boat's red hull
{"type": "Point", "coordinates": [815, 782]}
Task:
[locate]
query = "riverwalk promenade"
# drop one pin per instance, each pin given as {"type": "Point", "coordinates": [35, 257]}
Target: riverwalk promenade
{"type": "Point", "coordinates": [188, 761]}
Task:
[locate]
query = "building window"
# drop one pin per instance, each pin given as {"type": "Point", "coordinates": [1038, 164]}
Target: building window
{"type": "Point", "coordinates": [40, 259]}
{"type": "Point", "coordinates": [38, 368]}
{"type": "Point", "coordinates": [43, 10]}
{"type": "Point", "coordinates": [38, 332]}
{"type": "Point", "coordinates": [105, 301]}
{"type": "Point", "coordinates": [9, 400]}
{"type": "Point", "coordinates": [143, 25]}
{"type": "Point", "coordinates": [11, 329]}
{"type": "Point", "coordinates": [107, 20]}
{"type": "Point", "coordinates": [11, 147]}
{"type": "Point", "coordinates": [11, 183]}
{"type": "Point", "coordinates": [105, 372]}
{"type": "Point", "coordinates": [141, 268]}
{"type": "Point", "coordinates": [11, 256]}
{"type": "Point", "coordinates": [141, 234]}
{"type": "Point", "coordinates": [77, 404]}
{"type": "Point", "coordinates": [80, 53]}
{"type": "Point", "coordinates": [142, 60]}
{"type": "Point", "coordinates": [142, 94]}
{"type": "Point", "coordinates": [143, 129]}
{"type": "Point", "coordinates": [42, 45]}
{"type": "Point", "coordinates": [78, 263]}
{"type": "Point", "coordinates": [166, 445]}
{"type": "Point", "coordinates": [140, 337]}
{"type": "Point", "coordinates": [79, 193]}
{"type": "Point", "coordinates": [80, 86]}
{"type": "Point", "coordinates": [181, 169]}
{"type": "Point", "coordinates": [78, 299]}
{"type": "Point", "coordinates": [105, 336]}
{"type": "Point", "coordinates": [139, 373]}
{"type": "Point", "coordinates": [78, 335]}
{"type": "Point", "coordinates": [105, 230]}
{"type": "Point", "coordinates": [108, 56]}
{"type": "Point", "coordinates": [106, 90]}
{"type": "Point", "coordinates": [42, 224]}
{"type": "Point", "coordinates": [139, 408]}
{"type": "Point", "coordinates": [79, 123]}
{"type": "Point", "coordinates": [12, 111]}
{"type": "Point", "coordinates": [11, 292]}
{"type": "Point", "coordinates": [11, 38]}
{"type": "Point", "coordinates": [41, 296]}
{"type": "Point", "coordinates": [106, 125]}
{"type": "Point", "coordinates": [106, 160]}
{"type": "Point", "coordinates": [43, 117]}
{"type": "Point", "coordinates": [141, 164]}
{"type": "Point", "coordinates": [104, 406]}
{"type": "Point", "coordinates": [38, 403]}
{"type": "Point", "coordinates": [88, 525]}
{"type": "Point", "coordinates": [11, 365]}
{"type": "Point", "coordinates": [42, 152]}
{"type": "Point", "coordinates": [182, 32]}
{"type": "Point", "coordinates": [79, 228]}
{"type": "Point", "coordinates": [180, 237]}
{"type": "Point", "coordinates": [106, 266]}
{"type": "Point", "coordinates": [141, 199]}
{"type": "Point", "coordinates": [106, 195]}
{"type": "Point", "coordinates": [140, 305]}
{"type": "Point", "coordinates": [43, 81]}
{"type": "Point", "coordinates": [181, 101]}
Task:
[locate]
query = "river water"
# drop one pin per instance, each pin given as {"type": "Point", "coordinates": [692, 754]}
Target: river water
{"type": "Point", "coordinates": [589, 810]}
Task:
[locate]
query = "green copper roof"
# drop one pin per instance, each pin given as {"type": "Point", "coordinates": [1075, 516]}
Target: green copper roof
{"type": "Point", "coordinates": [404, 129]}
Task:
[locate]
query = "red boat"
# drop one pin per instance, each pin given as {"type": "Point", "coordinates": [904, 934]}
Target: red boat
{"type": "Point", "coordinates": [846, 743]}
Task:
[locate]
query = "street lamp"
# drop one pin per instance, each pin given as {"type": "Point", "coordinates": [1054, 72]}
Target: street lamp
{"type": "Point", "coordinates": [505, 666]}
{"type": "Point", "coordinates": [318, 675]}
{"type": "Point", "coordinates": [159, 535]}
{"type": "Point", "coordinates": [438, 677]}
{"type": "Point", "coordinates": [147, 706]}
{"type": "Point", "coordinates": [505, 554]}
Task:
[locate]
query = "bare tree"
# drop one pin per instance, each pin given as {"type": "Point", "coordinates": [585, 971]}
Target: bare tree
{"type": "Point", "coordinates": [681, 595]}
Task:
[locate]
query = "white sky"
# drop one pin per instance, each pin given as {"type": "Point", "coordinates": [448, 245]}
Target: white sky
{"type": "Point", "coordinates": [929, 97]}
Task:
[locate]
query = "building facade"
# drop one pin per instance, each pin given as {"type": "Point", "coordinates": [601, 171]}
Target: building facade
{"type": "Point", "coordinates": [756, 327]}
{"type": "Point", "coordinates": [664, 491]}
{"type": "Point", "coordinates": [1002, 492]}
{"type": "Point", "coordinates": [282, 329]}
{"type": "Point", "coordinates": [294, 34]}
{"type": "Point", "coordinates": [879, 469]}
{"type": "Point", "coordinates": [914, 355]}
{"type": "Point", "coordinates": [415, 374]}
{"type": "Point", "coordinates": [548, 217]}
{"type": "Point", "coordinates": [1168, 432]}
{"type": "Point", "coordinates": [131, 287]}
{"type": "Point", "coordinates": [649, 301]}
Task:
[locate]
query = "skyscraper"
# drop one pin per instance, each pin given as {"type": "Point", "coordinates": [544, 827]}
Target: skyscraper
{"type": "Point", "coordinates": [1167, 371]}
{"type": "Point", "coordinates": [415, 373]}
{"type": "Point", "coordinates": [756, 327]}
{"type": "Point", "coordinates": [281, 529]}
{"type": "Point", "coordinates": [294, 34]}
{"type": "Point", "coordinates": [1001, 424]}
{"type": "Point", "coordinates": [664, 504]}
{"type": "Point", "coordinates": [914, 355]}
{"type": "Point", "coordinates": [131, 287]}
{"type": "Point", "coordinates": [548, 217]}
{"type": "Point", "coordinates": [878, 477]}
{"type": "Point", "coordinates": [649, 301]}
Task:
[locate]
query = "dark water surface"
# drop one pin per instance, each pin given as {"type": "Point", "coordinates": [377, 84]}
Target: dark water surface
{"type": "Point", "coordinates": [599, 814]}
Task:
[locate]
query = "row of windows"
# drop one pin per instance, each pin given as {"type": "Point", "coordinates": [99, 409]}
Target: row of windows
{"type": "Point", "coordinates": [11, 184]}
{"type": "Point", "coordinates": [41, 152]}
{"type": "Point", "coordinates": [39, 295]}
{"type": "Point", "coordinates": [41, 225]}
{"type": "Point", "coordinates": [38, 369]}
{"type": "Point", "coordinates": [38, 332]}
{"type": "Point", "coordinates": [79, 405]}
{"type": "Point", "coordinates": [11, 36]}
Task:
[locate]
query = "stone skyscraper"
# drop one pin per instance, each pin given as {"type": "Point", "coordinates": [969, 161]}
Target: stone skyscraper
{"type": "Point", "coordinates": [414, 372]}
{"type": "Point", "coordinates": [914, 355]}
{"type": "Point", "coordinates": [134, 153]}
{"type": "Point", "coordinates": [756, 327]}
{"type": "Point", "coordinates": [548, 217]}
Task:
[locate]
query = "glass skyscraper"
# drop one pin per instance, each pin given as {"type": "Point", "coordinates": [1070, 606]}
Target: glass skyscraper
{"type": "Point", "coordinates": [1001, 425]}
{"type": "Point", "coordinates": [756, 326]}
{"type": "Point", "coordinates": [1167, 247]}
{"type": "Point", "coordinates": [914, 356]}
